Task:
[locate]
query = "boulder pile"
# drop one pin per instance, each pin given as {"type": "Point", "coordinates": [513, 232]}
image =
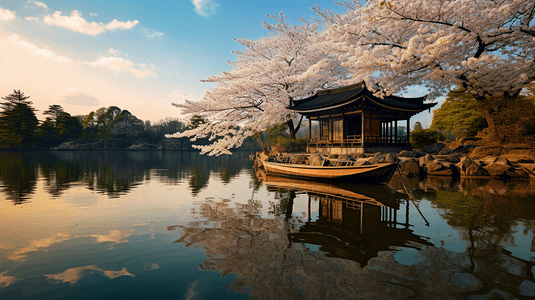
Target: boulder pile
{"type": "Point", "coordinates": [468, 161]}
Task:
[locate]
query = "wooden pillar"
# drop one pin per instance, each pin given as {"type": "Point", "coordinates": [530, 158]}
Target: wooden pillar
{"type": "Point", "coordinates": [309, 129]}
{"type": "Point", "coordinates": [330, 128]}
{"type": "Point", "coordinates": [362, 129]}
{"type": "Point", "coordinates": [391, 131]}
{"type": "Point", "coordinates": [371, 129]}
{"type": "Point", "coordinates": [396, 131]}
{"type": "Point", "coordinates": [408, 128]}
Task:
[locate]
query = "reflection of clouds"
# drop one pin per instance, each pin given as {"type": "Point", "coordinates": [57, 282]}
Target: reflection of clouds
{"type": "Point", "coordinates": [6, 281]}
{"type": "Point", "coordinates": [114, 236]}
{"type": "Point", "coordinates": [74, 275]}
{"type": "Point", "coordinates": [20, 255]}
{"type": "Point", "coordinates": [151, 266]}
{"type": "Point", "coordinates": [196, 290]}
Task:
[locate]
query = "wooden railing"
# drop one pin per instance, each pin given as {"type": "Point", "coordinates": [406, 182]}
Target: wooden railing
{"type": "Point", "coordinates": [356, 140]}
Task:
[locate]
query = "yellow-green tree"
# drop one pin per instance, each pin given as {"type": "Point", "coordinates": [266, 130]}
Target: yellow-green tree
{"type": "Point", "coordinates": [459, 115]}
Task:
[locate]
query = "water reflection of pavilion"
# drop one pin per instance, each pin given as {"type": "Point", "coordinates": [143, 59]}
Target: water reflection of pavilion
{"type": "Point", "coordinates": [354, 222]}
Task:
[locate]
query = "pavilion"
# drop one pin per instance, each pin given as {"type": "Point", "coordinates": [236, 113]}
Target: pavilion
{"type": "Point", "coordinates": [351, 120]}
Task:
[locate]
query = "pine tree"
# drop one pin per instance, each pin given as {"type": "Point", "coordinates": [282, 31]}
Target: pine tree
{"type": "Point", "coordinates": [18, 123]}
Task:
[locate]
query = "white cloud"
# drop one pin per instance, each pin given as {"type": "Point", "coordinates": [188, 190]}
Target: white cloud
{"type": "Point", "coordinates": [93, 14]}
{"type": "Point", "coordinates": [155, 34]}
{"type": "Point", "coordinates": [77, 23]}
{"type": "Point", "coordinates": [37, 4]}
{"type": "Point", "coordinates": [151, 33]}
{"type": "Point", "coordinates": [116, 52]}
{"type": "Point", "coordinates": [33, 49]}
{"type": "Point", "coordinates": [205, 8]}
{"type": "Point", "coordinates": [32, 18]}
{"type": "Point", "coordinates": [6, 15]}
{"type": "Point", "coordinates": [114, 25]}
{"type": "Point", "coordinates": [118, 64]}
{"type": "Point", "coordinates": [78, 97]}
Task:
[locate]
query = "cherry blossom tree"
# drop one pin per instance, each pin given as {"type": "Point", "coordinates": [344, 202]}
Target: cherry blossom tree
{"type": "Point", "coordinates": [482, 46]}
{"type": "Point", "coordinates": [265, 78]}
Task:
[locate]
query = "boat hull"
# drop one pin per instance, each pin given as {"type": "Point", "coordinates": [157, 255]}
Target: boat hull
{"type": "Point", "coordinates": [380, 173]}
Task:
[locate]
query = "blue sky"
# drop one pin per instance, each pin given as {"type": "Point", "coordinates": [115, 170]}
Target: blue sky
{"type": "Point", "coordinates": [137, 55]}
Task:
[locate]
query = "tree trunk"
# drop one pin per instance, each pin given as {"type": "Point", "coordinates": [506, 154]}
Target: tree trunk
{"type": "Point", "coordinates": [294, 129]}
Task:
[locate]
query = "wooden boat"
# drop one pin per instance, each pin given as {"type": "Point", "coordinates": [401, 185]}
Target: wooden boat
{"type": "Point", "coordinates": [379, 173]}
{"type": "Point", "coordinates": [379, 195]}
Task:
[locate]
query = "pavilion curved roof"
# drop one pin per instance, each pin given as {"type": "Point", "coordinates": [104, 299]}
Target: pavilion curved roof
{"type": "Point", "coordinates": [333, 98]}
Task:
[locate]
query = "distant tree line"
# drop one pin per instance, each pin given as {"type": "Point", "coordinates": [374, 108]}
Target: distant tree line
{"type": "Point", "coordinates": [106, 128]}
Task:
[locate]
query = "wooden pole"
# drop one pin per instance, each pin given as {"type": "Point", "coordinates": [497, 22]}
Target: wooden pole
{"type": "Point", "coordinates": [362, 129]}
{"type": "Point", "coordinates": [408, 194]}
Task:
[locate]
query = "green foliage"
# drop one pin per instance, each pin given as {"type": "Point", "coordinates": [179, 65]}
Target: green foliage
{"type": "Point", "coordinates": [459, 116]}
{"type": "Point", "coordinates": [287, 144]}
{"type": "Point", "coordinates": [195, 121]}
{"type": "Point", "coordinates": [274, 133]}
{"type": "Point", "coordinates": [423, 137]}
{"type": "Point", "coordinates": [18, 123]}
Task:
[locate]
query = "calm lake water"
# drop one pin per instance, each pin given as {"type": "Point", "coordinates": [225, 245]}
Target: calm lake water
{"type": "Point", "coordinates": [177, 225]}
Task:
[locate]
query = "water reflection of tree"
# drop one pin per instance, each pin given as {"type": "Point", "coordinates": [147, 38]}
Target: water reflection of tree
{"type": "Point", "coordinates": [113, 173]}
{"type": "Point", "coordinates": [18, 176]}
{"type": "Point", "coordinates": [269, 265]}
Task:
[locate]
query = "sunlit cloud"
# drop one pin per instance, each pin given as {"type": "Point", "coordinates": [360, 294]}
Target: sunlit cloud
{"type": "Point", "coordinates": [78, 97]}
{"type": "Point", "coordinates": [6, 15]}
{"type": "Point", "coordinates": [32, 18]}
{"type": "Point", "coordinates": [114, 236]}
{"type": "Point", "coordinates": [119, 64]}
{"type": "Point", "coordinates": [117, 52]}
{"type": "Point", "coordinates": [32, 4]}
{"type": "Point", "coordinates": [20, 255]}
{"type": "Point", "coordinates": [75, 22]}
{"type": "Point", "coordinates": [73, 275]}
{"type": "Point", "coordinates": [35, 50]}
{"type": "Point", "coordinates": [205, 8]}
{"type": "Point", "coordinates": [6, 281]}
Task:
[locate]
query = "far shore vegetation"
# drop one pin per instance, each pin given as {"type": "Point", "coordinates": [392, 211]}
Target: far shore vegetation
{"type": "Point", "coordinates": [107, 128]}
{"type": "Point", "coordinates": [113, 128]}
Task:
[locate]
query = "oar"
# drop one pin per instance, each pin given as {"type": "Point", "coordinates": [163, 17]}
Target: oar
{"type": "Point", "coordinates": [409, 194]}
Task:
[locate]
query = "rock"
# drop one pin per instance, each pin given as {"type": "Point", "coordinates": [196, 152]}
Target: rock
{"type": "Point", "coordinates": [485, 151]}
{"type": "Point", "coordinates": [391, 158]}
{"type": "Point", "coordinates": [409, 167]}
{"type": "Point", "coordinates": [459, 149]}
{"type": "Point", "coordinates": [433, 166]}
{"type": "Point", "coordinates": [503, 161]}
{"type": "Point", "coordinates": [362, 162]}
{"type": "Point", "coordinates": [489, 160]}
{"type": "Point", "coordinates": [298, 159]}
{"type": "Point", "coordinates": [437, 147]}
{"type": "Point", "coordinates": [316, 160]}
{"type": "Point", "coordinates": [475, 170]}
{"type": "Point", "coordinates": [518, 173]}
{"type": "Point", "coordinates": [468, 148]}
{"type": "Point", "coordinates": [465, 282]}
{"type": "Point", "coordinates": [346, 157]}
{"type": "Point", "coordinates": [498, 170]}
{"type": "Point", "coordinates": [424, 160]}
{"type": "Point", "coordinates": [527, 288]}
{"type": "Point", "coordinates": [445, 151]}
{"type": "Point", "coordinates": [467, 167]}
{"type": "Point", "coordinates": [408, 153]}
{"type": "Point", "coordinates": [439, 168]}
{"type": "Point", "coordinates": [377, 158]}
